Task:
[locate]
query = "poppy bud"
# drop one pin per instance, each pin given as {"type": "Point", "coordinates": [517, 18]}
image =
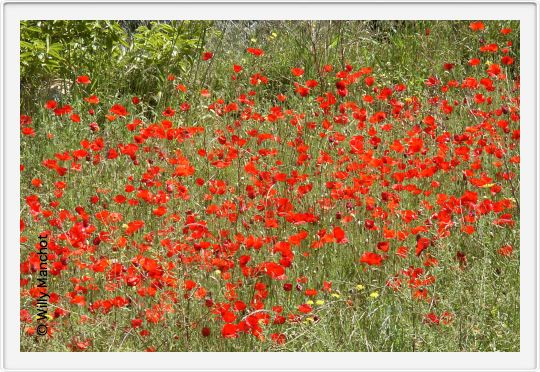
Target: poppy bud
{"type": "Point", "coordinates": [287, 287]}
{"type": "Point", "coordinates": [205, 331]}
{"type": "Point", "coordinates": [94, 127]}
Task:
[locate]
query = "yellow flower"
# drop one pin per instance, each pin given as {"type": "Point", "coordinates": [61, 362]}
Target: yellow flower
{"type": "Point", "coordinates": [335, 295]}
{"type": "Point", "coordinates": [374, 294]}
{"type": "Point", "coordinates": [309, 302]}
{"type": "Point", "coordinates": [319, 302]}
{"type": "Point", "coordinates": [359, 287]}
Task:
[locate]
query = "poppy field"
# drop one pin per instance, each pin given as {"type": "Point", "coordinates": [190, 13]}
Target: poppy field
{"type": "Point", "coordinates": [270, 186]}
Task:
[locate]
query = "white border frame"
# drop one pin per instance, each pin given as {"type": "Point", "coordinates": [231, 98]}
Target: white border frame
{"type": "Point", "coordinates": [14, 11]}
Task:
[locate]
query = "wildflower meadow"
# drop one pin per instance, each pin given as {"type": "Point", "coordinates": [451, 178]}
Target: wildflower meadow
{"type": "Point", "coordinates": [269, 186]}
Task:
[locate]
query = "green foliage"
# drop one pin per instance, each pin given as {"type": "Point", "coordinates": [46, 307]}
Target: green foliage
{"type": "Point", "coordinates": [119, 59]}
{"type": "Point", "coordinates": [158, 49]}
{"type": "Point", "coordinates": [49, 48]}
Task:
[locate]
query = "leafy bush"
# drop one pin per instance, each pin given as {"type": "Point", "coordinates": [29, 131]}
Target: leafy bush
{"type": "Point", "coordinates": [128, 57]}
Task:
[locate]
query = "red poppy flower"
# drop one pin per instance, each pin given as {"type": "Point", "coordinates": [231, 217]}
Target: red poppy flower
{"type": "Point", "coordinates": [51, 105]}
{"type": "Point", "coordinates": [119, 110]}
{"type": "Point", "coordinates": [273, 270]}
{"type": "Point", "coordinates": [477, 26]}
{"type": "Point", "coordinates": [256, 52]}
{"type": "Point", "coordinates": [339, 235]}
{"type": "Point", "coordinates": [134, 226]}
{"type": "Point", "coordinates": [490, 48]}
{"type": "Point", "coordinates": [136, 323]}
{"type": "Point", "coordinates": [93, 99]}
{"type": "Point", "coordinates": [169, 112]}
{"type": "Point", "coordinates": [383, 246]}
{"type": "Point", "coordinates": [507, 60]}
{"type": "Point", "coordinates": [505, 251]}
{"type": "Point", "coordinates": [494, 69]}
{"type": "Point", "coordinates": [402, 252]}
{"type": "Point", "coordinates": [312, 83]}
{"type": "Point", "coordinates": [422, 245]}
{"type": "Point", "coordinates": [207, 55]}
{"type": "Point", "coordinates": [449, 66]}
{"type": "Point", "coordinates": [28, 131]}
{"type": "Point", "coordinates": [371, 258]}
{"type": "Point", "coordinates": [301, 90]}
{"type": "Point", "coordinates": [83, 79]}
{"type": "Point", "coordinates": [297, 71]}
{"type": "Point", "coordinates": [229, 331]}
{"type": "Point", "coordinates": [431, 319]}
{"type": "Point", "coordinates": [278, 338]}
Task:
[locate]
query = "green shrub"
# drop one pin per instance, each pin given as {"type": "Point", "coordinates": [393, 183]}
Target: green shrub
{"type": "Point", "coordinates": [122, 57]}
